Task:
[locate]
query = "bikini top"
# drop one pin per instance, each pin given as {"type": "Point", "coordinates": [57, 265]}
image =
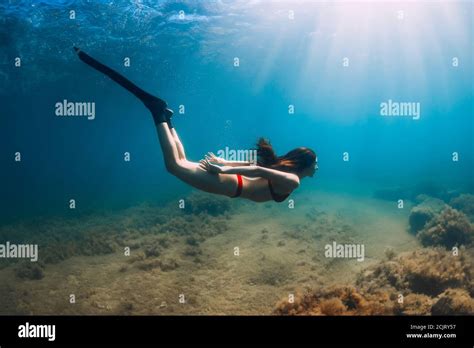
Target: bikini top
{"type": "Point", "coordinates": [276, 197]}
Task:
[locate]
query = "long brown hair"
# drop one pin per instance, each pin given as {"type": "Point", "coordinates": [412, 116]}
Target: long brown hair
{"type": "Point", "coordinates": [294, 161]}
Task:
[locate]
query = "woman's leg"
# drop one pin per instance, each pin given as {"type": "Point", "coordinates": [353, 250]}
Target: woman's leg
{"type": "Point", "coordinates": [179, 145]}
{"type": "Point", "coordinates": [190, 172]}
{"type": "Point", "coordinates": [168, 147]}
{"type": "Point", "coordinates": [171, 146]}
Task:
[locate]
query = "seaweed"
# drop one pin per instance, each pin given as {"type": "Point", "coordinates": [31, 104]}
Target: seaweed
{"type": "Point", "coordinates": [449, 228]}
{"type": "Point", "coordinates": [465, 204]}
{"type": "Point", "coordinates": [273, 273]}
{"type": "Point", "coordinates": [137, 257]}
{"type": "Point", "coordinates": [425, 271]}
{"type": "Point", "coordinates": [125, 308]}
{"type": "Point", "coordinates": [414, 304]}
{"type": "Point", "coordinates": [168, 264]}
{"type": "Point", "coordinates": [337, 300]}
{"type": "Point", "coordinates": [30, 270]}
{"type": "Point", "coordinates": [389, 253]}
{"type": "Point", "coordinates": [424, 212]}
{"type": "Point", "coordinates": [153, 250]}
{"type": "Point", "coordinates": [192, 251]}
{"type": "Point", "coordinates": [453, 302]}
{"type": "Point", "coordinates": [148, 265]}
{"type": "Point", "coordinates": [199, 202]}
{"type": "Point", "coordinates": [165, 265]}
{"type": "Point", "coordinates": [192, 240]}
{"type": "Point", "coordinates": [198, 226]}
{"type": "Point", "coordinates": [61, 238]}
{"type": "Point", "coordinates": [432, 281]}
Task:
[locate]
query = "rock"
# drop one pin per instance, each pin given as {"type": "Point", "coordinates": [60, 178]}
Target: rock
{"type": "Point", "coordinates": [449, 228]}
{"type": "Point", "coordinates": [465, 204]}
{"type": "Point", "coordinates": [200, 202]}
{"type": "Point", "coordinates": [454, 302]}
{"type": "Point", "coordinates": [424, 212]}
{"type": "Point", "coordinates": [30, 270]}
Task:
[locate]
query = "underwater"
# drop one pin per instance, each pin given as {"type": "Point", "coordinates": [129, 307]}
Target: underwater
{"type": "Point", "coordinates": [269, 158]}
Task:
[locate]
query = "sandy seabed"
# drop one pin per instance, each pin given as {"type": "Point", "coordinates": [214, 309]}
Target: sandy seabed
{"type": "Point", "coordinates": [191, 252]}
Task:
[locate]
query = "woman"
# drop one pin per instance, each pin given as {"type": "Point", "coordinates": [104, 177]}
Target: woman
{"type": "Point", "coordinates": [273, 178]}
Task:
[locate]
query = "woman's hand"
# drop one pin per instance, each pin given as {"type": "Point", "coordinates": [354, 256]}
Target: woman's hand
{"type": "Point", "coordinates": [214, 159]}
{"type": "Point", "coordinates": [211, 168]}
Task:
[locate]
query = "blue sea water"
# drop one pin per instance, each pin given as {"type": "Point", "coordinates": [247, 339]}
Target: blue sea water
{"type": "Point", "coordinates": [334, 62]}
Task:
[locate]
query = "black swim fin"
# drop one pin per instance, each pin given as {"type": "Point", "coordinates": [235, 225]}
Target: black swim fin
{"type": "Point", "coordinates": [158, 107]}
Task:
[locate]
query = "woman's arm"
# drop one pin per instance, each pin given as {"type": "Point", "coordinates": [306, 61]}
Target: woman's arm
{"type": "Point", "coordinates": [219, 160]}
{"type": "Point", "coordinates": [236, 163]}
{"type": "Point", "coordinates": [288, 180]}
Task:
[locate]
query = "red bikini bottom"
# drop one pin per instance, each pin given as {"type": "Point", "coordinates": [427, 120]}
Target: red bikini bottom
{"type": "Point", "coordinates": [239, 186]}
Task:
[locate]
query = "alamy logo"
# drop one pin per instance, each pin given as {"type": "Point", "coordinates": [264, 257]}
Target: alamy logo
{"type": "Point", "coordinates": [37, 331]}
{"type": "Point", "coordinates": [24, 251]}
{"type": "Point", "coordinates": [67, 108]}
{"type": "Point", "coordinates": [348, 251]}
{"type": "Point", "coordinates": [238, 155]}
{"type": "Point", "coordinates": [391, 108]}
